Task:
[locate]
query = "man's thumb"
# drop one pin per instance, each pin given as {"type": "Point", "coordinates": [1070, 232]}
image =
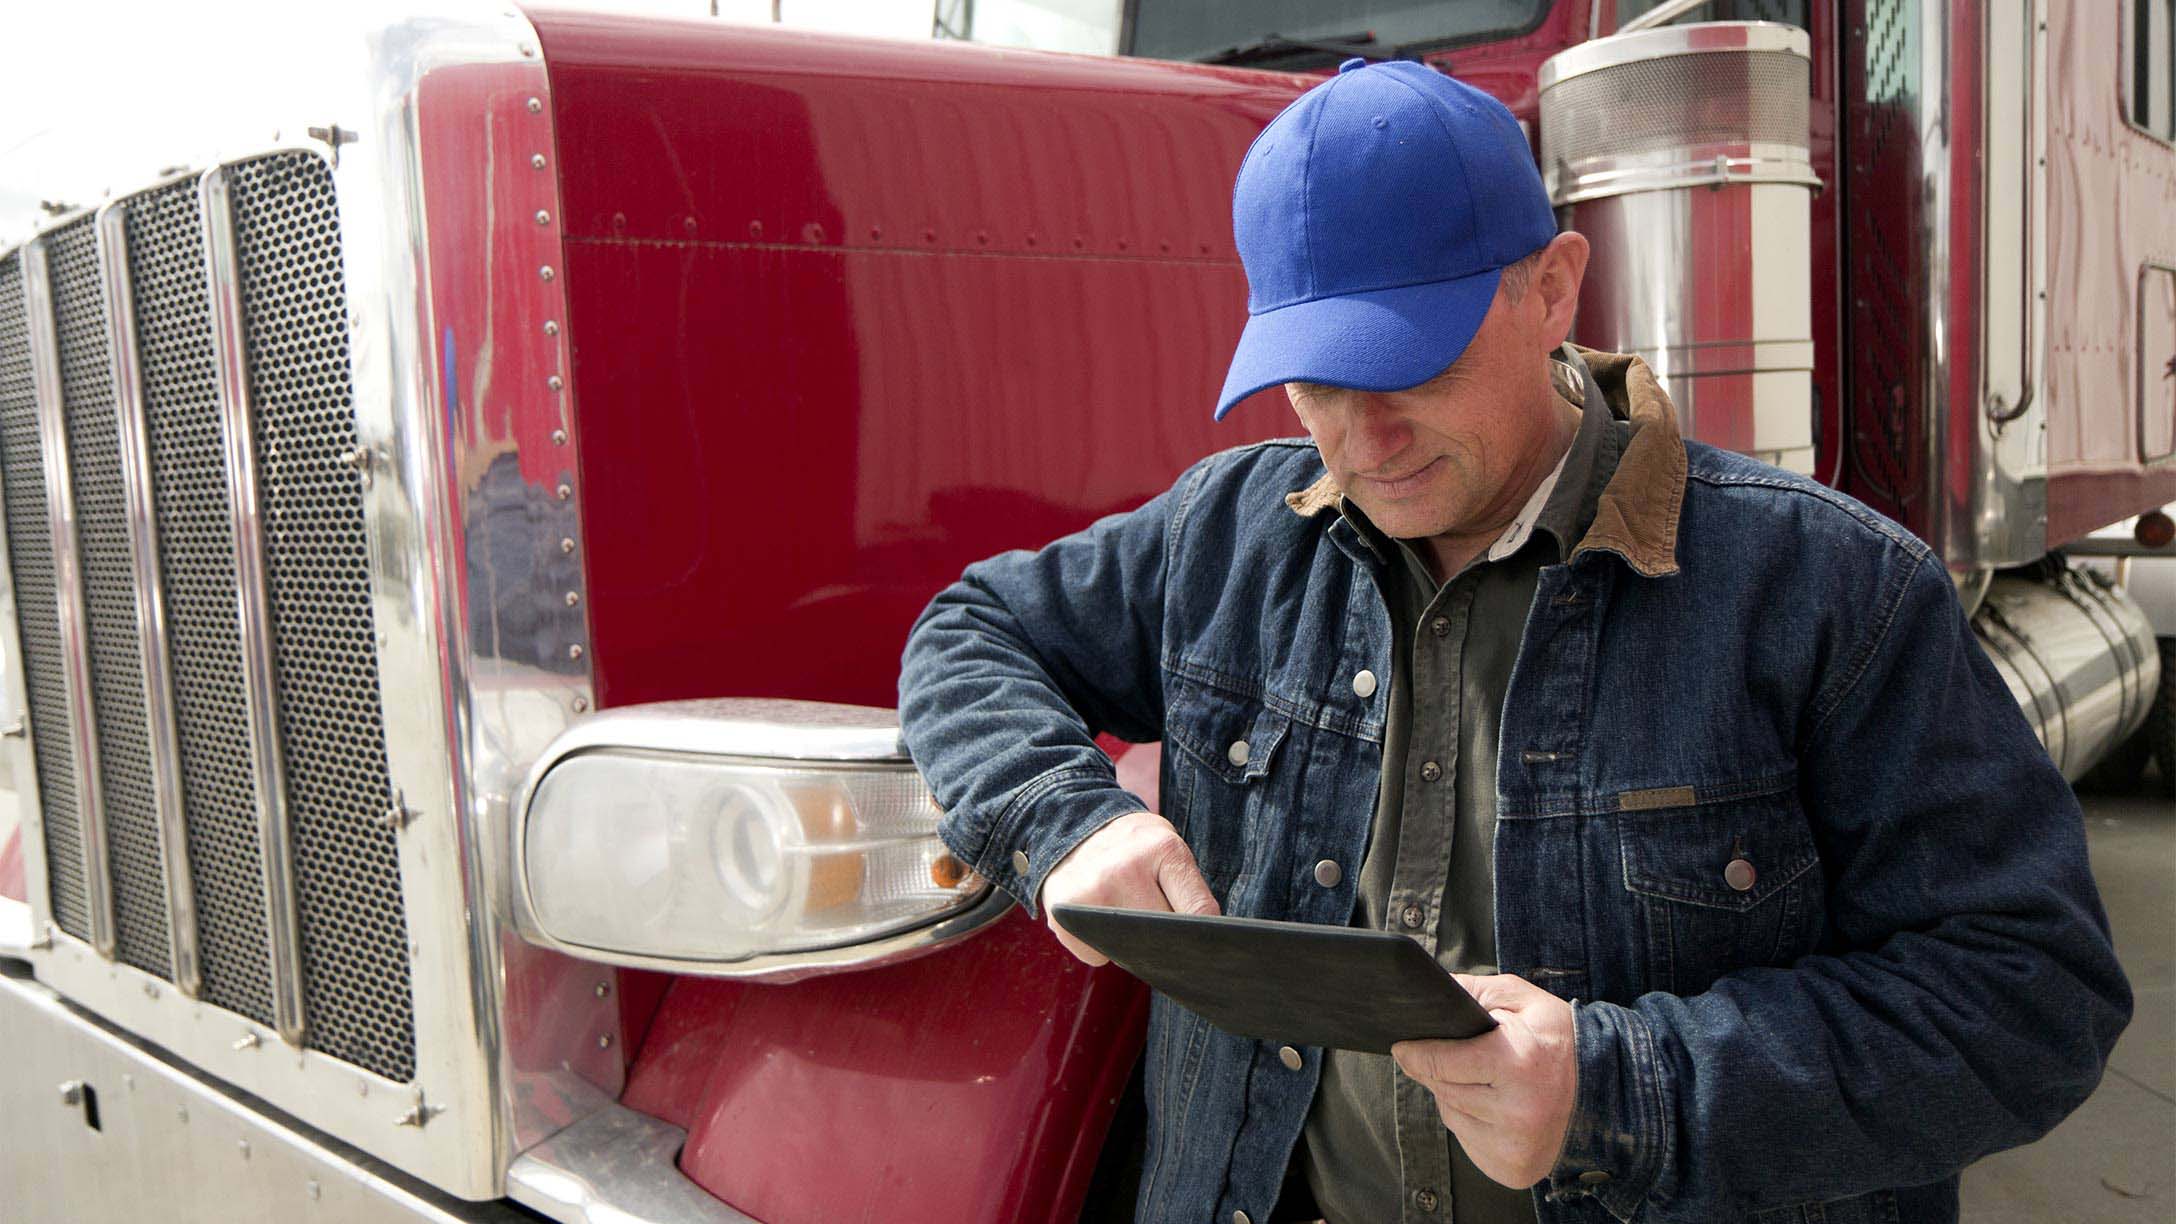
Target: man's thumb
{"type": "Point", "coordinates": [1183, 886]}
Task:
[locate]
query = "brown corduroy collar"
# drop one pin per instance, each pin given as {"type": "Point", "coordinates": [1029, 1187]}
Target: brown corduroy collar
{"type": "Point", "coordinates": [1636, 517]}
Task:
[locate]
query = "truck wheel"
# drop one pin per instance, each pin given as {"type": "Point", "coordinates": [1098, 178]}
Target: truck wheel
{"type": "Point", "coordinates": [2159, 732]}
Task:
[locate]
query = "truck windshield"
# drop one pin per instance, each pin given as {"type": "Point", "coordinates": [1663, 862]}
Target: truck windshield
{"type": "Point", "coordinates": [1215, 29]}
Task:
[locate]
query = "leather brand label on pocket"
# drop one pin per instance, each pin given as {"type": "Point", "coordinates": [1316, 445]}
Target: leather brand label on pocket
{"type": "Point", "coordinates": [1655, 797]}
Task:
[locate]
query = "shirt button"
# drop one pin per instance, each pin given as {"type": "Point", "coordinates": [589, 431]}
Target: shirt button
{"type": "Point", "coordinates": [1593, 1177]}
{"type": "Point", "coordinates": [1440, 626]}
{"type": "Point", "coordinates": [1328, 873]}
{"type": "Point", "coordinates": [1740, 874]}
{"type": "Point", "coordinates": [1237, 753]}
{"type": "Point", "coordinates": [1240, 1217]}
{"type": "Point", "coordinates": [1363, 683]}
{"type": "Point", "coordinates": [1290, 1058]}
{"type": "Point", "coordinates": [1425, 1199]}
{"type": "Point", "coordinates": [1020, 862]}
{"type": "Point", "coordinates": [1411, 916]}
{"type": "Point", "coordinates": [1430, 771]}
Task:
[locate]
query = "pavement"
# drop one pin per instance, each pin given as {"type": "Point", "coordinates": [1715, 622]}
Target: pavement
{"type": "Point", "coordinates": [2114, 1160]}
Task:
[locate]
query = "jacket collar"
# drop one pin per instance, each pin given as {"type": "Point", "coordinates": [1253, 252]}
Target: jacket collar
{"type": "Point", "coordinates": [1637, 515]}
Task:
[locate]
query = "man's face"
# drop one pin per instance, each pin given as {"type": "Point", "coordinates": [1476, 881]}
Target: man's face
{"type": "Point", "coordinates": [1456, 454]}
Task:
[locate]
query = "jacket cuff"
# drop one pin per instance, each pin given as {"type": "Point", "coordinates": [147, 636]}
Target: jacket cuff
{"type": "Point", "coordinates": [1618, 1142]}
{"type": "Point", "coordinates": [1043, 823]}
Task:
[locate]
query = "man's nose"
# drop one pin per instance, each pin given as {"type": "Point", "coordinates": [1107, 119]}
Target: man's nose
{"type": "Point", "coordinates": [1374, 431]}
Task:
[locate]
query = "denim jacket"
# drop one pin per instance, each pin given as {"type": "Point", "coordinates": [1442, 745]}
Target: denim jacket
{"type": "Point", "coordinates": [1733, 663]}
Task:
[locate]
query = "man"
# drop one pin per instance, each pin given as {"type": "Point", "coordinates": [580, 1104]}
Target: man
{"type": "Point", "coordinates": [1690, 768]}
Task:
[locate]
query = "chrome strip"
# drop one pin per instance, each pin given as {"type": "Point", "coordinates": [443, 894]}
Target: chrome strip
{"type": "Point", "coordinates": [615, 1165]}
{"type": "Point", "coordinates": [230, 346]}
{"type": "Point", "coordinates": [19, 741]}
{"type": "Point", "coordinates": [150, 596]}
{"type": "Point", "coordinates": [68, 592]}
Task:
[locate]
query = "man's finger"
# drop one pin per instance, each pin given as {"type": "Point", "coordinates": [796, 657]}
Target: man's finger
{"type": "Point", "coordinates": [1086, 954]}
{"type": "Point", "coordinates": [1470, 1060]}
{"type": "Point", "coordinates": [1499, 991]}
{"type": "Point", "coordinates": [1183, 886]}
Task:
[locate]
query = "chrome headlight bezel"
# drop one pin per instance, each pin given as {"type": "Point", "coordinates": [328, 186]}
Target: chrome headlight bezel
{"type": "Point", "coordinates": [763, 748]}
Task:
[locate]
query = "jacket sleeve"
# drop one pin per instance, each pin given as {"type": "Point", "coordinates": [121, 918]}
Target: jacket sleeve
{"type": "Point", "coordinates": [1010, 673]}
{"type": "Point", "coordinates": [1968, 993]}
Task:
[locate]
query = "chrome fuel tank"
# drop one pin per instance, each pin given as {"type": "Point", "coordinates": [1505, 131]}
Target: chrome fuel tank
{"type": "Point", "coordinates": [2079, 656]}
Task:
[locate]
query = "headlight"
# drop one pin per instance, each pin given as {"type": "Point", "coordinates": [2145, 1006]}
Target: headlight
{"type": "Point", "coordinates": [740, 838]}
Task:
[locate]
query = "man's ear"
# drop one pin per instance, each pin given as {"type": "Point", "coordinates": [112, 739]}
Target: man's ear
{"type": "Point", "coordinates": [1555, 285]}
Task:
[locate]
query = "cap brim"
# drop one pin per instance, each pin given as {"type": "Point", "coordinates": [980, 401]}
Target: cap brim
{"type": "Point", "coordinates": [1382, 340]}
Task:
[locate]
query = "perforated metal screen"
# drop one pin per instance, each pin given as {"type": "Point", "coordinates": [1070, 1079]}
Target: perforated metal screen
{"type": "Point", "coordinates": [325, 698]}
{"type": "Point", "coordinates": [356, 990]}
{"type": "Point", "coordinates": [196, 560]}
{"type": "Point", "coordinates": [1677, 102]}
{"type": "Point", "coordinates": [30, 557]}
{"type": "Point", "coordinates": [109, 595]}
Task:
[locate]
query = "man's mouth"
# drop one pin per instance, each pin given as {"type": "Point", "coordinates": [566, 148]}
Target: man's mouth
{"type": "Point", "coordinates": [1399, 486]}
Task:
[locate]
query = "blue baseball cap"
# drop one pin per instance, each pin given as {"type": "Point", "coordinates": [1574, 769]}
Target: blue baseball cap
{"type": "Point", "coordinates": [1375, 216]}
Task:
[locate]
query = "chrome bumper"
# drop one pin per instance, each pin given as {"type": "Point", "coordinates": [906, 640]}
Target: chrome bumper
{"type": "Point", "coordinates": [95, 1126]}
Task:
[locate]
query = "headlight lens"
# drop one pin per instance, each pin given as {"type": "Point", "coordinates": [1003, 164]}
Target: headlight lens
{"type": "Point", "coordinates": [707, 859]}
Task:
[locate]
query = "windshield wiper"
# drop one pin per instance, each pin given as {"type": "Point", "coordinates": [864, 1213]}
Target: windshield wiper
{"type": "Point", "coordinates": [1270, 46]}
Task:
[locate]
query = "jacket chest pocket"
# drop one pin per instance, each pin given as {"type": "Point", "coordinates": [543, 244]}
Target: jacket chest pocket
{"type": "Point", "coordinates": [1719, 886]}
{"type": "Point", "coordinates": [1223, 778]}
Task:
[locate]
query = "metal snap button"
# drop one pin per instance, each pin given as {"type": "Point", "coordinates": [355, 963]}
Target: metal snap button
{"type": "Point", "coordinates": [1425, 1199]}
{"type": "Point", "coordinates": [1430, 771]}
{"type": "Point", "coordinates": [1363, 683]}
{"type": "Point", "coordinates": [1290, 1058]}
{"type": "Point", "coordinates": [1020, 862]}
{"type": "Point", "coordinates": [1328, 873]}
{"type": "Point", "coordinates": [1411, 916]}
{"type": "Point", "coordinates": [1237, 753]}
{"type": "Point", "coordinates": [1440, 626]}
{"type": "Point", "coordinates": [1593, 1177]}
{"type": "Point", "coordinates": [1740, 874]}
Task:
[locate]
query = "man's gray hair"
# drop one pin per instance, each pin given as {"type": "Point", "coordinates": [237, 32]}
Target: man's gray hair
{"type": "Point", "coordinates": [1517, 276]}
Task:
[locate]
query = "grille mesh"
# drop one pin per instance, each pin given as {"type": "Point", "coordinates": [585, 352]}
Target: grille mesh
{"type": "Point", "coordinates": [356, 990]}
{"type": "Point", "coordinates": [196, 562]}
{"type": "Point", "coordinates": [30, 556]}
{"type": "Point", "coordinates": [1676, 102]}
{"type": "Point", "coordinates": [109, 584]}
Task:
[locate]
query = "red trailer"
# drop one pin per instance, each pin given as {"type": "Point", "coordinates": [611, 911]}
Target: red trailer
{"type": "Point", "coordinates": [483, 397]}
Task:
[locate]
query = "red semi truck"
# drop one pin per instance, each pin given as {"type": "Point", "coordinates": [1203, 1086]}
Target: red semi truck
{"type": "Point", "coordinates": [464, 503]}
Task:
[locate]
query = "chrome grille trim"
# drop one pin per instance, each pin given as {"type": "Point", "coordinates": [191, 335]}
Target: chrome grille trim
{"type": "Point", "coordinates": [18, 740]}
{"type": "Point", "coordinates": [179, 382]}
{"type": "Point", "coordinates": [105, 565]}
{"type": "Point", "coordinates": [150, 598]}
{"type": "Point", "coordinates": [68, 595]}
{"type": "Point", "coordinates": [230, 345]}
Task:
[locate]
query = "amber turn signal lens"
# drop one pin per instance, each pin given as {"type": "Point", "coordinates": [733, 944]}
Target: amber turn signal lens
{"type": "Point", "coordinates": [947, 872]}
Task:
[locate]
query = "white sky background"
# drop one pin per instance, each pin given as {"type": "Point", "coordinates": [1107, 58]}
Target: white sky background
{"type": "Point", "coordinates": [68, 114]}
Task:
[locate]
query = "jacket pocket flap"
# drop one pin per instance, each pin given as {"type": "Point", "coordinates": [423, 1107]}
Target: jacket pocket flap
{"type": "Point", "coordinates": [1731, 854]}
{"type": "Point", "coordinates": [1232, 734]}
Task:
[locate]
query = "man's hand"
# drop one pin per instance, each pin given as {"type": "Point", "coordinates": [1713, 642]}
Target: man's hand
{"type": "Point", "coordinates": [1137, 861]}
{"type": "Point", "coordinates": [1508, 1093]}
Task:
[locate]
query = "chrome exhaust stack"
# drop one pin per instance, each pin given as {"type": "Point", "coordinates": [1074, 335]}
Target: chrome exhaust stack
{"type": "Point", "coordinates": [1681, 153]}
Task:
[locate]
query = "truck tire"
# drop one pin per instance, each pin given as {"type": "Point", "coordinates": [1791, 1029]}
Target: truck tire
{"type": "Point", "coordinates": [2159, 732]}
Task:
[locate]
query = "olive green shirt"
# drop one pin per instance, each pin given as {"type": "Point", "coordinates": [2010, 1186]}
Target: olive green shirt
{"type": "Point", "coordinates": [1375, 1147]}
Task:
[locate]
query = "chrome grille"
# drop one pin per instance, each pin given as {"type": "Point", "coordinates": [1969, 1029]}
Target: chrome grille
{"type": "Point", "coordinates": [37, 604]}
{"type": "Point", "coordinates": [109, 588]}
{"type": "Point", "coordinates": [284, 307]}
{"type": "Point", "coordinates": [347, 879]}
{"type": "Point", "coordinates": [196, 557]}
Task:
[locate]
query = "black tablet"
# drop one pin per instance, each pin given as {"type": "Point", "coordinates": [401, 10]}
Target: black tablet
{"type": "Point", "coordinates": [1291, 982]}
